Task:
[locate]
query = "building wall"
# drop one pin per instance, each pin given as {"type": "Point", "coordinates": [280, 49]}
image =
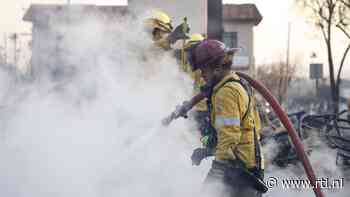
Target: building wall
{"type": "Point", "coordinates": [42, 48]}
{"type": "Point", "coordinates": [245, 40]}
{"type": "Point", "coordinates": [45, 56]}
{"type": "Point", "coordinates": [194, 10]}
{"type": "Point", "coordinates": [53, 50]}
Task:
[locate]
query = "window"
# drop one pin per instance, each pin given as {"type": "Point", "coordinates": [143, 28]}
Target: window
{"type": "Point", "coordinates": [230, 39]}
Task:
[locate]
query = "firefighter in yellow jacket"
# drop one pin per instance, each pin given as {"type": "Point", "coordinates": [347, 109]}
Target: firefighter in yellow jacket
{"type": "Point", "coordinates": [161, 29]}
{"type": "Point", "coordinates": [237, 169]}
{"type": "Point", "coordinates": [163, 35]}
{"type": "Point", "coordinates": [159, 26]}
{"type": "Point", "coordinates": [201, 114]}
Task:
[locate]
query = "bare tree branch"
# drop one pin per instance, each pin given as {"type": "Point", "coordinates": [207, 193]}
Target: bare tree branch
{"type": "Point", "coordinates": [277, 77]}
{"type": "Point", "coordinates": [321, 15]}
{"type": "Point", "coordinates": [346, 3]}
{"type": "Point", "coordinates": [324, 33]}
{"type": "Point", "coordinates": [327, 15]}
{"type": "Point", "coordinates": [347, 34]}
{"type": "Point", "coordinates": [318, 10]}
{"type": "Point", "coordinates": [342, 61]}
{"type": "Point", "coordinates": [318, 4]}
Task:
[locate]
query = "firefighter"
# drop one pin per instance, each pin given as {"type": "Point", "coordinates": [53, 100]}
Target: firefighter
{"type": "Point", "coordinates": [161, 29]}
{"type": "Point", "coordinates": [200, 114]}
{"type": "Point", "coordinates": [237, 169]}
{"type": "Point", "coordinates": [159, 26]}
{"type": "Point", "coordinates": [163, 35]}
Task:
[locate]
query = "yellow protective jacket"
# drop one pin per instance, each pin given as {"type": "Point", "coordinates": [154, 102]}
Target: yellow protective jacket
{"type": "Point", "coordinates": [229, 103]}
{"type": "Point", "coordinates": [185, 67]}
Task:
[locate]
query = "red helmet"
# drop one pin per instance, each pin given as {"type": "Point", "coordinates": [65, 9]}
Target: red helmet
{"type": "Point", "coordinates": [207, 53]}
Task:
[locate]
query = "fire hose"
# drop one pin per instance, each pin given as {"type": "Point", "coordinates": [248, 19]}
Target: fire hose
{"type": "Point", "coordinates": [187, 105]}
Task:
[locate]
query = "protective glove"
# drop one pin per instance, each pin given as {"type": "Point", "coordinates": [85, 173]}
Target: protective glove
{"type": "Point", "coordinates": [199, 154]}
{"type": "Point", "coordinates": [179, 33]}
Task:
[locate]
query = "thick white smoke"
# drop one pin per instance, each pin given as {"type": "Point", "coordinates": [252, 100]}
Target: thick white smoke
{"type": "Point", "coordinates": [94, 130]}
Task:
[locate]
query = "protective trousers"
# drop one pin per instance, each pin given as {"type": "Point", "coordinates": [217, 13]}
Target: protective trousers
{"type": "Point", "coordinates": [217, 184]}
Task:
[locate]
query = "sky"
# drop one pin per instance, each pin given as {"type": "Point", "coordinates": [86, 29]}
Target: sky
{"type": "Point", "coordinates": [270, 35]}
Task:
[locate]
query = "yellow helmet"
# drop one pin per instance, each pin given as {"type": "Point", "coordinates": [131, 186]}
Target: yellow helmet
{"type": "Point", "coordinates": [194, 39]}
{"type": "Point", "coordinates": [159, 20]}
